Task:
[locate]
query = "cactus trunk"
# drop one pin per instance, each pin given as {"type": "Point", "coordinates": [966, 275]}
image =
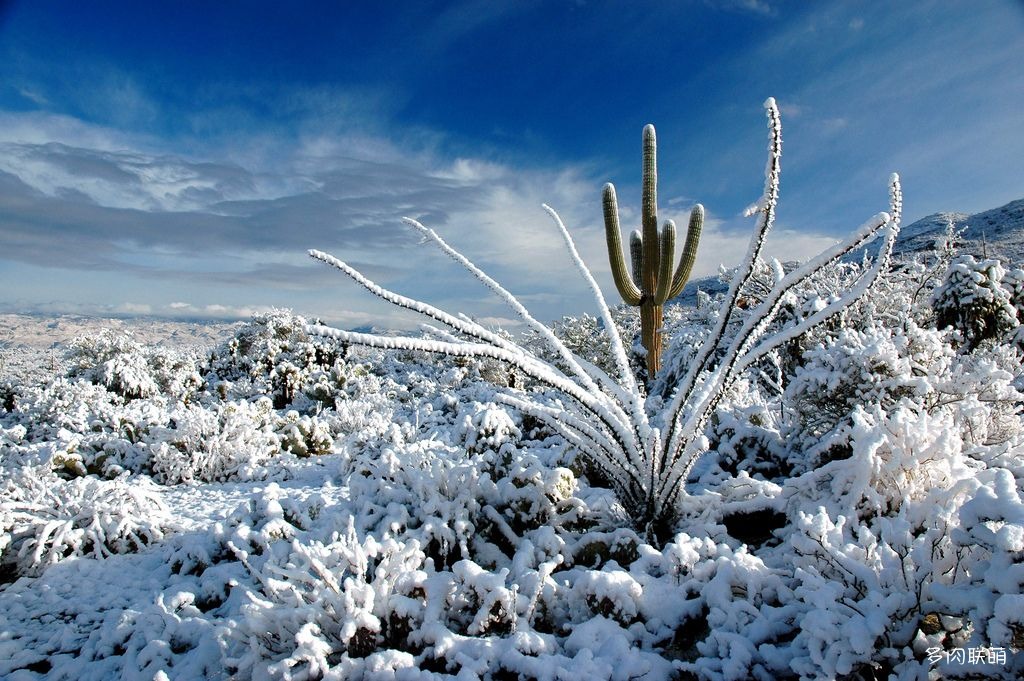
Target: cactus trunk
{"type": "Point", "coordinates": [651, 318]}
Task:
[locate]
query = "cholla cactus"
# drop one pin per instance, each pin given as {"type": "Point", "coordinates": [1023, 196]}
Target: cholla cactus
{"type": "Point", "coordinates": [646, 455]}
{"type": "Point", "coordinates": [652, 282]}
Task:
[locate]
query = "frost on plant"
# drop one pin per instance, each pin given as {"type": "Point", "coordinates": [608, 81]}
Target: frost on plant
{"type": "Point", "coordinates": [127, 368]}
{"type": "Point", "coordinates": [646, 453]}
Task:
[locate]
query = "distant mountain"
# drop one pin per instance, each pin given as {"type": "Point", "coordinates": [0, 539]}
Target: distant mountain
{"type": "Point", "coordinates": [993, 233]}
{"type": "Point", "coordinates": [996, 233]}
{"type": "Point", "coordinates": [373, 330]}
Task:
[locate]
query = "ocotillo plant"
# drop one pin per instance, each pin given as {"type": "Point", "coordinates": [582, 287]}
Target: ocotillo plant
{"type": "Point", "coordinates": [646, 447]}
{"type": "Point", "coordinates": [652, 282]}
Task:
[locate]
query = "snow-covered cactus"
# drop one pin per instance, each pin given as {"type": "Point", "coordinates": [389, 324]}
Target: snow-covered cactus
{"type": "Point", "coordinates": [652, 282]}
{"type": "Point", "coordinates": [647, 456]}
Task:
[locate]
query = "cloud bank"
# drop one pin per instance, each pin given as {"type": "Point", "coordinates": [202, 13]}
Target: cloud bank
{"type": "Point", "coordinates": [219, 239]}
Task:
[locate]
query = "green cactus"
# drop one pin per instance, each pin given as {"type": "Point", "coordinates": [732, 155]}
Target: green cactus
{"type": "Point", "coordinates": [652, 281]}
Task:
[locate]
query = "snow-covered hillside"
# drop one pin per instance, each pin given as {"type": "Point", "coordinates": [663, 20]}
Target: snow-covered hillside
{"type": "Point", "coordinates": [995, 233]}
{"type": "Point", "coordinates": [992, 233]}
{"type": "Point", "coordinates": [33, 346]}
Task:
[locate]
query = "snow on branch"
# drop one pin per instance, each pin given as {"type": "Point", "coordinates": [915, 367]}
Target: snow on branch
{"type": "Point", "coordinates": [545, 333]}
{"type": "Point", "coordinates": [607, 410]}
{"type": "Point", "coordinates": [683, 448]}
{"type": "Point", "coordinates": [765, 210]}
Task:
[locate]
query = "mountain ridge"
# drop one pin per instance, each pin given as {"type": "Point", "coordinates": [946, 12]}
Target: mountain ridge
{"type": "Point", "coordinates": [998, 232]}
{"type": "Point", "coordinates": [994, 233]}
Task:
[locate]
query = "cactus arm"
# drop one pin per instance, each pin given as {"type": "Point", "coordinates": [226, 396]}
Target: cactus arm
{"type": "Point", "coordinates": [668, 247]}
{"type": "Point", "coordinates": [689, 254]}
{"type": "Point", "coordinates": [627, 289]}
{"type": "Point", "coordinates": [649, 207]}
{"type": "Point", "coordinates": [636, 254]}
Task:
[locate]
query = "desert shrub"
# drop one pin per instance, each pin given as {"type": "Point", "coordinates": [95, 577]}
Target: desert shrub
{"type": "Point", "coordinates": [883, 549]}
{"type": "Point", "coordinates": [229, 441]}
{"type": "Point", "coordinates": [857, 368]}
{"type": "Point", "coordinates": [973, 300]}
{"type": "Point", "coordinates": [304, 435]}
{"type": "Point", "coordinates": [78, 428]}
{"type": "Point", "coordinates": [44, 519]}
{"type": "Point", "coordinates": [273, 355]}
{"type": "Point", "coordinates": [1013, 284]}
{"type": "Point", "coordinates": [127, 368]}
{"type": "Point", "coordinates": [585, 337]}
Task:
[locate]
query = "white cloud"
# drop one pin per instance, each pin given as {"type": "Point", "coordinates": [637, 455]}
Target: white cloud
{"type": "Point", "coordinates": [87, 198]}
{"type": "Point", "coordinates": [134, 308]}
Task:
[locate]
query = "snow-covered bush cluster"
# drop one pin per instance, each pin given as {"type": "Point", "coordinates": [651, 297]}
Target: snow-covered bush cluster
{"type": "Point", "coordinates": [981, 300]}
{"type": "Point", "coordinates": [129, 369]}
{"type": "Point", "coordinates": [850, 504]}
{"type": "Point", "coordinates": [45, 519]}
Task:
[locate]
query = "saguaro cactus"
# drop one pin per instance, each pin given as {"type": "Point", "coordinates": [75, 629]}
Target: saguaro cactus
{"type": "Point", "coordinates": [651, 282]}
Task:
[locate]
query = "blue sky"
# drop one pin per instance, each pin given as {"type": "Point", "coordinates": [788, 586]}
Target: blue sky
{"type": "Point", "coordinates": [178, 159]}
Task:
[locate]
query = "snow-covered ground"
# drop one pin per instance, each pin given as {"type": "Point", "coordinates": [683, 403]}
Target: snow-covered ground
{"type": "Point", "coordinates": [285, 507]}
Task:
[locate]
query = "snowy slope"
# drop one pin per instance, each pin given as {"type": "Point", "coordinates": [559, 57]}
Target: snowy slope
{"type": "Point", "coordinates": [999, 232]}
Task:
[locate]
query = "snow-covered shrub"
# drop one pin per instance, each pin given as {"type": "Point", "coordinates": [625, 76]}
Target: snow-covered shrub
{"type": "Point", "coordinates": [858, 368]}
{"type": "Point", "coordinates": [746, 437]}
{"type": "Point", "coordinates": [321, 598]}
{"type": "Point", "coordinates": [8, 396]}
{"type": "Point", "coordinates": [883, 549]}
{"type": "Point", "coordinates": [990, 538]}
{"type": "Point", "coordinates": [973, 301]}
{"type": "Point", "coordinates": [1013, 284]}
{"type": "Point", "coordinates": [231, 441]}
{"type": "Point", "coordinates": [74, 406]}
{"type": "Point", "coordinates": [304, 435]}
{"type": "Point", "coordinates": [314, 605]}
{"type": "Point", "coordinates": [85, 429]}
{"type": "Point", "coordinates": [274, 355]}
{"type": "Point", "coordinates": [488, 427]}
{"type": "Point", "coordinates": [584, 336]}
{"type": "Point", "coordinates": [45, 519]}
{"type": "Point", "coordinates": [115, 361]}
{"type": "Point", "coordinates": [983, 393]}
{"type": "Point", "coordinates": [129, 369]}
